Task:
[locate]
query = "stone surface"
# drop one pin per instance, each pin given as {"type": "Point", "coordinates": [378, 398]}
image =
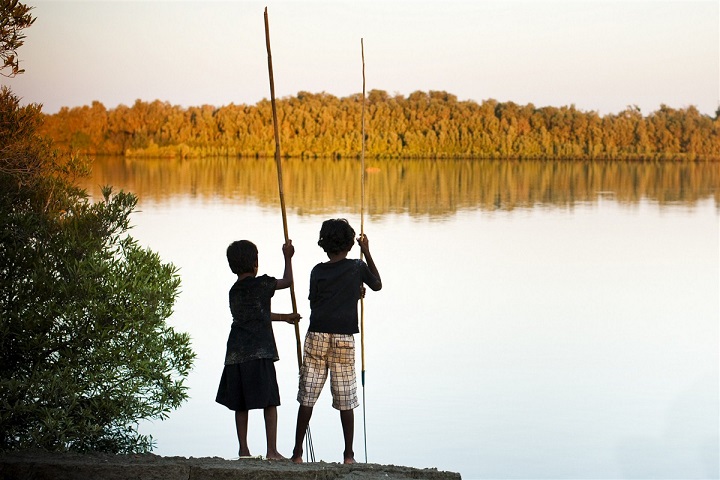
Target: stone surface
{"type": "Point", "coordinates": [69, 466]}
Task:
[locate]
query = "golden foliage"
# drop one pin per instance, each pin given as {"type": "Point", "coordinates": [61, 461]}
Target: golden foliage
{"type": "Point", "coordinates": [423, 125]}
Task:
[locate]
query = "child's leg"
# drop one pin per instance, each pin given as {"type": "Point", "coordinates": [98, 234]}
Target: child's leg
{"type": "Point", "coordinates": [343, 385]}
{"type": "Point", "coordinates": [241, 425]}
{"type": "Point", "coordinates": [303, 420]}
{"type": "Point", "coordinates": [313, 374]}
{"type": "Point", "coordinates": [271, 433]}
{"type": "Point", "coordinates": [347, 418]}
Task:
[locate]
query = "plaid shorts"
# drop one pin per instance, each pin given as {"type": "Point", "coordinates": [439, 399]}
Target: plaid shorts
{"type": "Point", "coordinates": [331, 352]}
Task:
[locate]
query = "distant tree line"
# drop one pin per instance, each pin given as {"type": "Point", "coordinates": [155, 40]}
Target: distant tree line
{"type": "Point", "coordinates": [431, 124]}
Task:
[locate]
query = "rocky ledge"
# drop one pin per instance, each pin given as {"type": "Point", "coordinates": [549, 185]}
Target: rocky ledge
{"type": "Point", "coordinates": [69, 466]}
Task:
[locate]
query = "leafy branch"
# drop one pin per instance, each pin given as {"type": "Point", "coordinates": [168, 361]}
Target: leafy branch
{"type": "Point", "coordinates": [16, 17]}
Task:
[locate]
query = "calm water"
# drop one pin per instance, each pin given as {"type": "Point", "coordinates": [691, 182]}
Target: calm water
{"type": "Point", "coordinates": [538, 320]}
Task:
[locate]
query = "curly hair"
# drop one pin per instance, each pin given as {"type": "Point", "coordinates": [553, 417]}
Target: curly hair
{"type": "Point", "coordinates": [336, 236]}
{"type": "Point", "coordinates": [242, 256]}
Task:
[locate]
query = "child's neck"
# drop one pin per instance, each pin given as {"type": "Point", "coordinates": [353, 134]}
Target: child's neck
{"type": "Point", "coordinates": [336, 257]}
{"type": "Point", "coordinates": [245, 275]}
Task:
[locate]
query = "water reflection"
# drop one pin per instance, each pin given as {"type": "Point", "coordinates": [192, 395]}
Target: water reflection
{"type": "Point", "coordinates": [573, 337]}
{"type": "Point", "coordinates": [418, 187]}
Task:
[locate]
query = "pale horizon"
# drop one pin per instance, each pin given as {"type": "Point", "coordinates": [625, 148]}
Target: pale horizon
{"type": "Point", "coordinates": [597, 55]}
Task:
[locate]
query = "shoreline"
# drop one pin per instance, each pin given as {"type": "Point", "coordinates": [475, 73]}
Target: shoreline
{"type": "Point", "coordinates": [40, 465]}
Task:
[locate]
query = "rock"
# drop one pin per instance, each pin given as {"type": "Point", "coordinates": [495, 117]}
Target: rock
{"type": "Point", "coordinates": [72, 466]}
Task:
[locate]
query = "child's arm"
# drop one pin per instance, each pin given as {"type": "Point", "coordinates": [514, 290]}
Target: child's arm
{"type": "Point", "coordinates": [285, 317]}
{"type": "Point", "coordinates": [365, 249]}
{"type": "Point", "coordinates": [287, 279]}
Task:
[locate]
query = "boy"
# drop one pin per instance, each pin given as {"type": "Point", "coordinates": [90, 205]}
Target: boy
{"type": "Point", "coordinates": [335, 288]}
{"type": "Point", "coordinates": [248, 380]}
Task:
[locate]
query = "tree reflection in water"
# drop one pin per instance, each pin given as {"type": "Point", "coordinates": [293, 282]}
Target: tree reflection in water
{"type": "Point", "coordinates": [418, 187]}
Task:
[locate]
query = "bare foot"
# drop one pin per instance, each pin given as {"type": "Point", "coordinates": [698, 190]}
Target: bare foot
{"type": "Point", "coordinates": [297, 455]}
{"type": "Point", "coordinates": [348, 456]}
{"type": "Point", "coordinates": [275, 456]}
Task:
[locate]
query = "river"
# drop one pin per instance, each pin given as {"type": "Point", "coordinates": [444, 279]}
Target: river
{"type": "Point", "coordinates": [537, 319]}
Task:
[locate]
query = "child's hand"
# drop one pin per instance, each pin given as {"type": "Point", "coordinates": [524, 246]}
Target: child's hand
{"type": "Point", "coordinates": [364, 243]}
{"type": "Point", "coordinates": [285, 317]}
{"type": "Point", "coordinates": [288, 249]}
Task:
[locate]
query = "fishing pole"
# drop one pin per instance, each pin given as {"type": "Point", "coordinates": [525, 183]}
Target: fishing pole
{"type": "Point", "coordinates": [362, 232]}
{"type": "Point", "coordinates": [310, 450]}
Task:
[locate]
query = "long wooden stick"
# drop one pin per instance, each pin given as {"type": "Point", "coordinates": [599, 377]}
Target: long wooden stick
{"type": "Point", "coordinates": [362, 232]}
{"type": "Point", "coordinates": [362, 152]}
{"type": "Point", "coordinates": [308, 437]}
{"type": "Point", "coordinates": [280, 179]}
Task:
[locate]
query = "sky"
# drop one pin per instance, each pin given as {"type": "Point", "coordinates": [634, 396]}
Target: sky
{"type": "Point", "coordinates": [598, 55]}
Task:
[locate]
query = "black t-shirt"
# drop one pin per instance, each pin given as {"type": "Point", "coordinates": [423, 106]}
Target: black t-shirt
{"type": "Point", "coordinates": [251, 334]}
{"type": "Point", "coordinates": [334, 292]}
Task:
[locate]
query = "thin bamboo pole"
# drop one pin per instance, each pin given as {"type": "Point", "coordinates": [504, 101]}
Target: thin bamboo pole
{"type": "Point", "coordinates": [280, 178]}
{"type": "Point", "coordinates": [362, 232]}
{"type": "Point", "coordinates": [362, 153]}
{"type": "Point", "coordinates": [308, 439]}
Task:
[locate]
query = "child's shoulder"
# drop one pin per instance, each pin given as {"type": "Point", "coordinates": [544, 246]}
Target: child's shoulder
{"type": "Point", "coordinates": [254, 282]}
{"type": "Point", "coordinates": [337, 264]}
{"type": "Point", "coordinates": [342, 267]}
{"type": "Point", "coordinates": [266, 280]}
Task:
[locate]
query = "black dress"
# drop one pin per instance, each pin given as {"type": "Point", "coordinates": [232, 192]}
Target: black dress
{"type": "Point", "coordinates": [248, 380]}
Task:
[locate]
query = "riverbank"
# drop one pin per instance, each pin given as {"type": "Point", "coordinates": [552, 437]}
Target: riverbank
{"type": "Point", "coordinates": [71, 466]}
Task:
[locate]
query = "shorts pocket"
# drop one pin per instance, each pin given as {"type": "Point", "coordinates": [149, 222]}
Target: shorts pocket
{"type": "Point", "coordinates": [342, 343]}
{"type": "Point", "coordinates": [344, 350]}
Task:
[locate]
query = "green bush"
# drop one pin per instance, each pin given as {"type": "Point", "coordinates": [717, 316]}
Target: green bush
{"type": "Point", "coordinates": [85, 350]}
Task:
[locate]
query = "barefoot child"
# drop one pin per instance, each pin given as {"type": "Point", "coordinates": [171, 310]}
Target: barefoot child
{"type": "Point", "coordinates": [248, 380]}
{"type": "Point", "coordinates": [335, 288]}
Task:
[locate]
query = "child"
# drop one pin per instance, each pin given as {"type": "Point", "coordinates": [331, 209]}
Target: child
{"type": "Point", "coordinates": [248, 380]}
{"type": "Point", "coordinates": [335, 288]}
